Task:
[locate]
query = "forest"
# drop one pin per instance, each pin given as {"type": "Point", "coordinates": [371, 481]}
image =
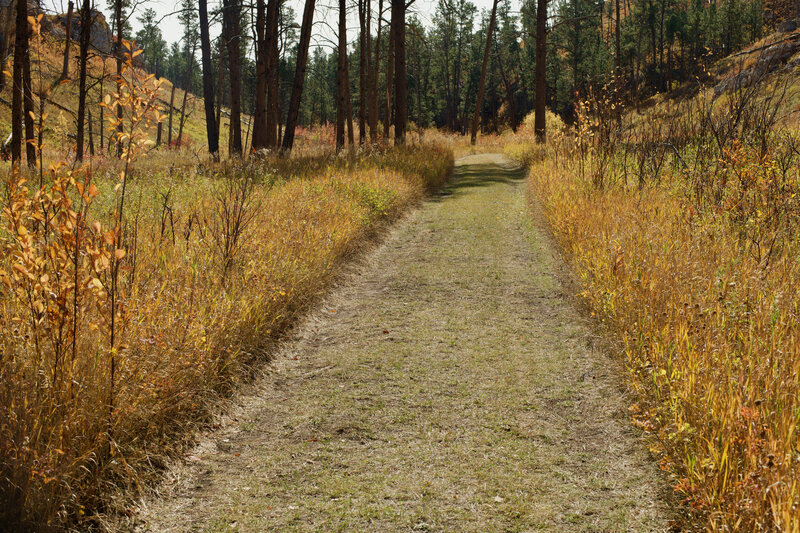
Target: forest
{"type": "Point", "coordinates": [394, 265]}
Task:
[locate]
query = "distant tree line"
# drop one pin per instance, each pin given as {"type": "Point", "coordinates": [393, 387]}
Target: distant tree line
{"type": "Point", "coordinates": [467, 69]}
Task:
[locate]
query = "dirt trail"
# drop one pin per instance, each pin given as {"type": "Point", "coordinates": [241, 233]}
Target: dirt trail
{"type": "Point", "coordinates": [450, 386]}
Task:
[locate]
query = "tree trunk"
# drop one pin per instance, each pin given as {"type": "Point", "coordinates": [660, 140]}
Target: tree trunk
{"type": "Point", "coordinates": [473, 137]}
{"type": "Point", "coordinates": [231, 15]}
{"type": "Point", "coordinates": [169, 120]}
{"type": "Point", "coordinates": [373, 108]}
{"type": "Point", "coordinates": [27, 115]}
{"type": "Point", "coordinates": [212, 132]}
{"type": "Point", "coordinates": [67, 42]}
{"type": "Point", "coordinates": [101, 129]}
{"type": "Point", "coordinates": [220, 84]}
{"type": "Point", "coordinates": [341, 76]}
{"type": "Point", "coordinates": [299, 77]}
{"type": "Point", "coordinates": [118, 22]}
{"type": "Point", "coordinates": [86, 23]}
{"type": "Point", "coordinates": [362, 71]}
{"type": "Point", "coordinates": [618, 51]}
{"type": "Point", "coordinates": [541, 70]}
{"type": "Point", "coordinates": [89, 127]}
{"type": "Point", "coordinates": [273, 74]}
{"type": "Point", "coordinates": [190, 60]}
{"type": "Point", "coordinates": [260, 107]}
{"type": "Point", "coordinates": [400, 75]}
{"type": "Point", "coordinates": [20, 51]}
{"type": "Point", "coordinates": [389, 81]}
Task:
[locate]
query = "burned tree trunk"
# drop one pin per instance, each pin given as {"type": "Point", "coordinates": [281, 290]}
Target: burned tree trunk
{"type": "Point", "coordinates": [231, 17]}
{"type": "Point", "coordinates": [20, 52]}
{"type": "Point", "coordinates": [362, 71]}
{"type": "Point", "coordinates": [260, 105]}
{"type": "Point", "coordinates": [299, 76]}
{"type": "Point", "coordinates": [212, 132]}
{"type": "Point", "coordinates": [273, 74]}
{"type": "Point", "coordinates": [373, 108]}
{"type": "Point", "coordinates": [341, 76]}
{"type": "Point", "coordinates": [400, 77]}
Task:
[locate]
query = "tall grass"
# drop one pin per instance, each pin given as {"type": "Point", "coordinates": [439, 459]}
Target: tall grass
{"type": "Point", "coordinates": [686, 248]}
{"type": "Point", "coordinates": [206, 265]}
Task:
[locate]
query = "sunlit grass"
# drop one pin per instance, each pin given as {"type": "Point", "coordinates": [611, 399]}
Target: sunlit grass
{"type": "Point", "coordinates": [707, 323]}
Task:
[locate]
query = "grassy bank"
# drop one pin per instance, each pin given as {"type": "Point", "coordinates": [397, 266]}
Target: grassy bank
{"type": "Point", "coordinates": [111, 355]}
{"type": "Point", "coordinates": [694, 268]}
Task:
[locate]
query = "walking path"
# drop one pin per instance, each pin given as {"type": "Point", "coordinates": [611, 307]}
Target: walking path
{"type": "Point", "coordinates": [450, 386]}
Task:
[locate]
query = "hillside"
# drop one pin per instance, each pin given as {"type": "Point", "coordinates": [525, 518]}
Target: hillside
{"type": "Point", "coordinates": [61, 99]}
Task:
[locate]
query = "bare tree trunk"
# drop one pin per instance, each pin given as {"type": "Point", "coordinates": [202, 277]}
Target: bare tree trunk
{"type": "Point", "coordinates": [260, 107]}
{"type": "Point", "coordinates": [231, 14]}
{"type": "Point", "coordinates": [299, 77]}
{"type": "Point", "coordinates": [169, 120]}
{"type": "Point", "coordinates": [89, 126]}
{"type": "Point", "coordinates": [273, 73]}
{"type": "Point", "coordinates": [27, 115]}
{"type": "Point", "coordinates": [362, 72]}
{"type": "Point", "coordinates": [541, 70]}
{"type": "Point", "coordinates": [190, 59]}
{"type": "Point", "coordinates": [389, 81]}
{"type": "Point", "coordinates": [118, 22]}
{"type": "Point", "coordinates": [473, 138]}
{"type": "Point", "coordinates": [351, 139]}
{"type": "Point", "coordinates": [220, 84]}
{"type": "Point", "coordinates": [20, 51]}
{"type": "Point", "coordinates": [102, 109]}
{"type": "Point", "coordinates": [373, 109]}
{"type": "Point", "coordinates": [67, 42]}
{"type": "Point", "coordinates": [341, 76]}
{"type": "Point", "coordinates": [618, 49]}
{"type": "Point", "coordinates": [400, 75]}
{"type": "Point", "coordinates": [86, 22]}
{"type": "Point", "coordinates": [212, 132]}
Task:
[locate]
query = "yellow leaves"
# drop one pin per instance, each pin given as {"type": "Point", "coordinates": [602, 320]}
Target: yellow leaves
{"type": "Point", "coordinates": [96, 284]}
{"type": "Point", "coordinates": [119, 254]}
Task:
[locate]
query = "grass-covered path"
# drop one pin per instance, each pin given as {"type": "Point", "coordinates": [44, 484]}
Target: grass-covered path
{"type": "Point", "coordinates": [450, 385]}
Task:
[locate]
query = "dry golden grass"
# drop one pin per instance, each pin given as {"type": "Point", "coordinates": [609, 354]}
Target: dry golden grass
{"type": "Point", "coordinates": [700, 290]}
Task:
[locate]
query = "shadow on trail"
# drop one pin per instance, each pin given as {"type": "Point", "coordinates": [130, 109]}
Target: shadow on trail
{"type": "Point", "coordinates": [486, 170]}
